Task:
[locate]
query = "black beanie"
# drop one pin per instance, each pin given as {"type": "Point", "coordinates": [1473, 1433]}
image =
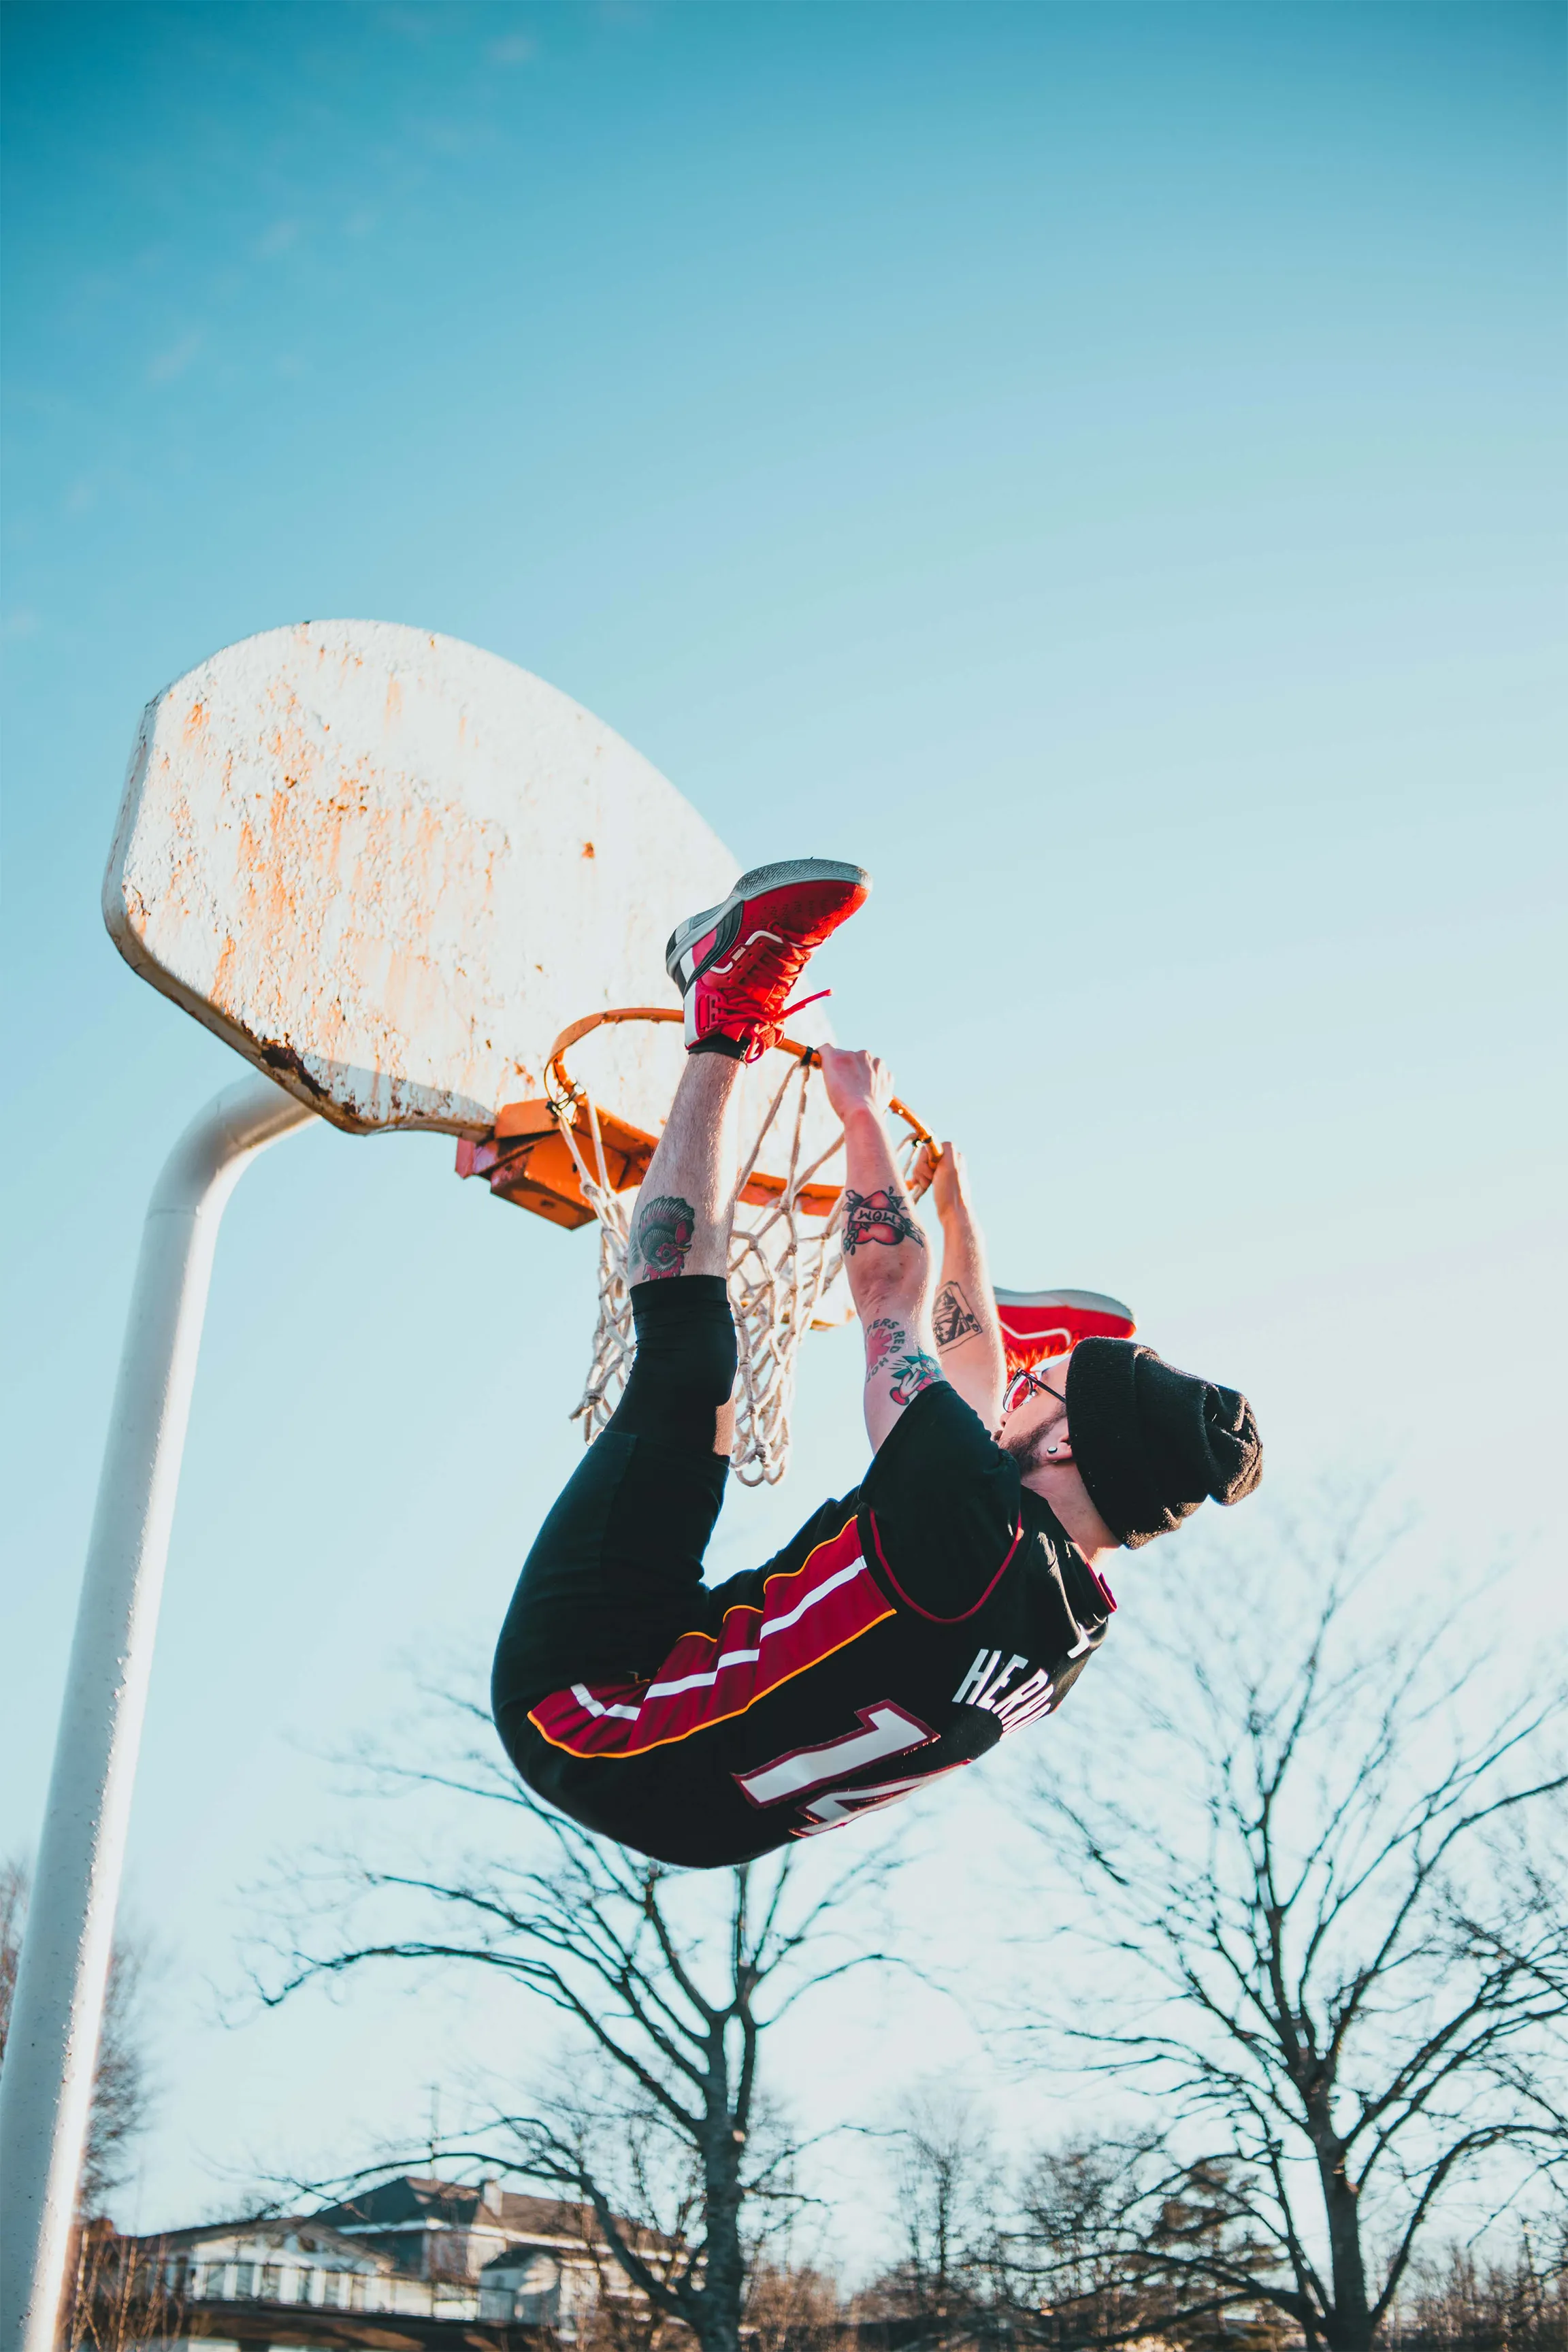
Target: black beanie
{"type": "Point", "coordinates": [1152, 1442]}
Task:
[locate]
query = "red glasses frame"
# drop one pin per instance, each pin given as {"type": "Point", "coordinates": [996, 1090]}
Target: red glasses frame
{"type": "Point", "coordinates": [1023, 1384]}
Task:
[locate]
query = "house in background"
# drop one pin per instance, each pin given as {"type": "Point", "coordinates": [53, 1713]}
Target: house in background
{"type": "Point", "coordinates": [534, 2248]}
{"type": "Point", "coordinates": [292, 2259]}
{"type": "Point", "coordinates": [413, 2263]}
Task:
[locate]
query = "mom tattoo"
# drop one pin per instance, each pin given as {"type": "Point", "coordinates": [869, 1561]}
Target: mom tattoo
{"type": "Point", "coordinates": [880, 1217]}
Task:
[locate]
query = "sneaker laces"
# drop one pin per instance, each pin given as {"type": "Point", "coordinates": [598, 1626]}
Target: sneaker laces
{"type": "Point", "coordinates": [773, 965]}
{"type": "Point", "coordinates": [766, 1034]}
{"type": "Point", "coordinates": [780, 964]}
{"type": "Point", "coordinates": [801, 1002]}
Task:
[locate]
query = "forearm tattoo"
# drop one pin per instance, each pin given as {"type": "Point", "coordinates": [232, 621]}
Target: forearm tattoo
{"type": "Point", "coordinates": [881, 1337]}
{"type": "Point", "coordinates": [954, 1317]}
{"type": "Point", "coordinates": [913, 1373]}
{"type": "Point", "coordinates": [661, 1238]}
{"type": "Point", "coordinates": [882, 1217]}
{"type": "Point", "coordinates": [909, 1369]}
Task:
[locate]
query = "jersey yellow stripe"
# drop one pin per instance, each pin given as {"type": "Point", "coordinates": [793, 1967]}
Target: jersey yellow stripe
{"type": "Point", "coordinates": [630, 1754]}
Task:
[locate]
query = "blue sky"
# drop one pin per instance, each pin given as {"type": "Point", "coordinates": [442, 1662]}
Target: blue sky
{"type": "Point", "coordinates": [1100, 466]}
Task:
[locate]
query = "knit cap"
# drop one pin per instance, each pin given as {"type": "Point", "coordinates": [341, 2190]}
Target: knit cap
{"type": "Point", "coordinates": [1152, 1443]}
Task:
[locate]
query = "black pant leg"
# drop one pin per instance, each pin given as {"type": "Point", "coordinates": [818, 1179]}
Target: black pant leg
{"type": "Point", "coordinates": [615, 1568]}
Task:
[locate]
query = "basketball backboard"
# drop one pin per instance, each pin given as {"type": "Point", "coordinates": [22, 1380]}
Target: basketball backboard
{"type": "Point", "coordinates": [390, 869]}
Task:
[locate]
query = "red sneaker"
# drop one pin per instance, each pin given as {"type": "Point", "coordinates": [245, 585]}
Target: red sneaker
{"type": "Point", "coordinates": [737, 964]}
{"type": "Point", "coordinates": [1040, 1323]}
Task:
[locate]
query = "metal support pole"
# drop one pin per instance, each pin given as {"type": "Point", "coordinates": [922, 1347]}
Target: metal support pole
{"type": "Point", "coordinates": [51, 2048]}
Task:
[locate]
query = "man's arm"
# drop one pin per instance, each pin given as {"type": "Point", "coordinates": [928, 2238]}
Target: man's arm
{"type": "Point", "coordinates": [968, 1332]}
{"type": "Point", "coordinates": [885, 1254]}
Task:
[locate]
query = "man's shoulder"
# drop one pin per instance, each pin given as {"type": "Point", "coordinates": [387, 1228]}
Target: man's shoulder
{"type": "Point", "coordinates": [940, 1433]}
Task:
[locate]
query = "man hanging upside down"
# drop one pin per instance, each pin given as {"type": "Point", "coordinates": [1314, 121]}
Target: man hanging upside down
{"type": "Point", "coordinates": [952, 1598]}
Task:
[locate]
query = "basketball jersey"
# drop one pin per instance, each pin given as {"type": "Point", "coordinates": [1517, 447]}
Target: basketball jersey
{"type": "Point", "coordinates": [900, 1634]}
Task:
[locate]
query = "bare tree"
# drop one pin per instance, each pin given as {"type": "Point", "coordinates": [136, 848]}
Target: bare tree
{"type": "Point", "coordinates": [119, 2096]}
{"type": "Point", "coordinates": [1518, 2303]}
{"type": "Point", "coordinates": [1332, 1920]}
{"type": "Point", "coordinates": [117, 2299]}
{"type": "Point", "coordinates": [1077, 2233]}
{"type": "Point", "coordinates": [1069, 2253]}
{"type": "Point", "coordinates": [671, 1982]}
{"type": "Point", "coordinates": [947, 2196]}
{"type": "Point", "coordinates": [1114, 2244]}
{"type": "Point", "coordinates": [793, 2308]}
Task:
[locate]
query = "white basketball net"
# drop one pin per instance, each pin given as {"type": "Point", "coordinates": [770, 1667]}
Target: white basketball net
{"type": "Point", "coordinates": [783, 1268]}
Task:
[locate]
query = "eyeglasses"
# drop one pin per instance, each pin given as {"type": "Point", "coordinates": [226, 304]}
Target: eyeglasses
{"type": "Point", "coordinates": [1024, 1384]}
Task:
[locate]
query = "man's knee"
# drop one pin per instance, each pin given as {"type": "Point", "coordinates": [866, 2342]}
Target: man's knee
{"type": "Point", "coordinates": [684, 1370]}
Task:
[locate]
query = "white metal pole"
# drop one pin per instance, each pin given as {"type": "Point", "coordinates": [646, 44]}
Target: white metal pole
{"type": "Point", "coordinates": [51, 2047]}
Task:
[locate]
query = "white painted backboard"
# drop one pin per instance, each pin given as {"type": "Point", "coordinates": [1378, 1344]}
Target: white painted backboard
{"type": "Point", "coordinates": [390, 869]}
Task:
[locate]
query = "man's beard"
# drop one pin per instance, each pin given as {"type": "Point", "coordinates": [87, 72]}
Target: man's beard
{"type": "Point", "coordinates": [1028, 1447]}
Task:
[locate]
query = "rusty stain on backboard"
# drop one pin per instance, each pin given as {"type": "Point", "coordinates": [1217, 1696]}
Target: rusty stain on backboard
{"type": "Point", "coordinates": [390, 868]}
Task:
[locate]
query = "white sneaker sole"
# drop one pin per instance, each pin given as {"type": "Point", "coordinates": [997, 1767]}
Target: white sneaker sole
{"type": "Point", "coordinates": [754, 885]}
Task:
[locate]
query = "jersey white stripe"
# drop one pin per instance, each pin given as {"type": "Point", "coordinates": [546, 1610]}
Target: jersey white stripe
{"type": "Point", "coordinates": [829, 1584]}
{"type": "Point", "coordinates": [749, 1657]}
{"type": "Point", "coordinates": [705, 1680]}
{"type": "Point", "coordinates": [697, 1681]}
{"type": "Point", "coordinates": [886, 1731]}
{"type": "Point", "coordinates": [585, 1697]}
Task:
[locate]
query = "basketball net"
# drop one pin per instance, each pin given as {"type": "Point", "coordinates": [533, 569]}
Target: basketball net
{"type": "Point", "coordinates": [785, 1272]}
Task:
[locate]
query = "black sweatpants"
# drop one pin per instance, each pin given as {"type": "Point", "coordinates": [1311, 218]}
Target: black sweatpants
{"type": "Point", "coordinates": [616, 1572]}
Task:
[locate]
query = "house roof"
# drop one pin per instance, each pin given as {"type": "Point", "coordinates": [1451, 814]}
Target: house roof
{"type": "Point", "coordinates": [414, 2201]}
{"type": "Point", "coordinates": [273, 2230]}
{"type": "Point", "coordinates": [408, 2199]}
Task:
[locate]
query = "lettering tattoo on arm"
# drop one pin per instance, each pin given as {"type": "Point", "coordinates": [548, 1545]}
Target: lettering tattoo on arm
{"type": "Point", "coordinates": [881, 1337]}
{"type": "Point", "coordinates": [881, 1217]}
{"type": "Point", "coordinates": [662, 1237]}
{"type": "Point", "coordinates": [909, 1369]}
{"type": "Point", "coordinates": [954, 1317]}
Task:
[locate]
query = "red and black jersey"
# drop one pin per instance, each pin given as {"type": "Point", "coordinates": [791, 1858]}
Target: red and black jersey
{"type": "Point", "coordinates": [901, 1633]}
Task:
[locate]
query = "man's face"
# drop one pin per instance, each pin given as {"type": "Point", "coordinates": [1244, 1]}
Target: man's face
{"type": "Point", "coordinates": [1038, 1421]}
